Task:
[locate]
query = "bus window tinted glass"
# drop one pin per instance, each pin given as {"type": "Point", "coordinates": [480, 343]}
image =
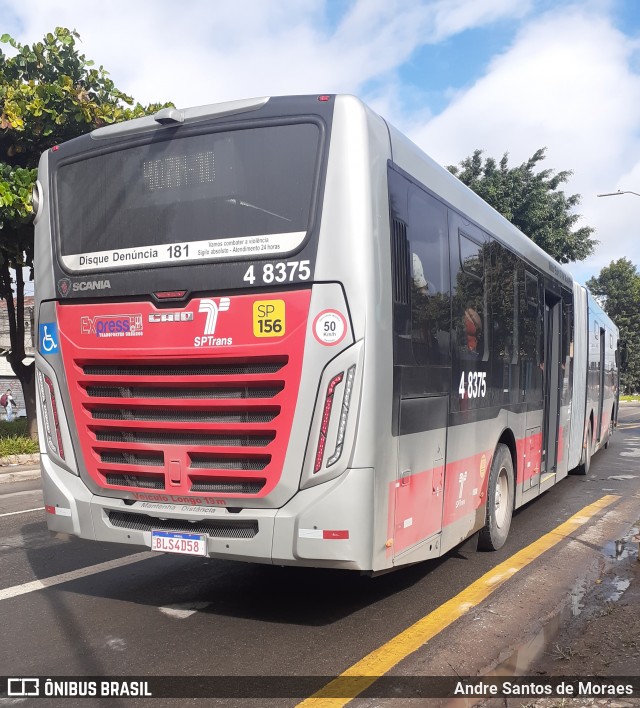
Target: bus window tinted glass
{"type": "Point", "coordinates": [504, 316]}
{"type": "Point", "coordinates": [531, 342]}
{"type": "Point", "coordinates": [430, 306]}
{"type": "Point", "coordinates": [471, 296]}
{"type": "Point", "coordinates": [250, 182]}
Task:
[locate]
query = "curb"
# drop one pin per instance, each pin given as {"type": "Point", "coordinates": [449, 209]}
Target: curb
{"type": "Point", "coordinates": [6, 476]}
{"type": "Point", "coordinates": [19, 468]}
{"type": "Point", "coordinates": [13, 460]}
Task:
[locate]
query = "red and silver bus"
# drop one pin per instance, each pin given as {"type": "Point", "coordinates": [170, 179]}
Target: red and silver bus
{"type": "Point", "coordinates": [274, 330]}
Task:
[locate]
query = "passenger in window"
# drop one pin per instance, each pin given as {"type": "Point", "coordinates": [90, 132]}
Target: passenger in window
{"type": "Point", "coordinates": [473, 330]}
{"type": "Point", "coordinates": [421, 283]}
{"type": "Point", "coordinates": [424, 316]}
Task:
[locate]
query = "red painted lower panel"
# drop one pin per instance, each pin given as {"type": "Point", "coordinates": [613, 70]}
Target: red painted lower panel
{"type": "Point", "coordinates": [419, 507]}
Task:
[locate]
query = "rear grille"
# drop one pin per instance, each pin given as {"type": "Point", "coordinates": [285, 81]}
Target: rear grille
{"type": "Point", "coordinates": [216, 528]}
{"type": "Point", "coordinates": [188, 438]}
{"type": "Point", "coordinates": [133, 458]}
{"type": "Point", "coordinates": [229, 486]}
{"type": "Point", "coordinates": [202, 394]}
{"type": "Point", "coordinates": [228, 463]}
{"type": "Point", "coordinates": [135, 480]}
{"type": "Point", "coordinates": [182, 416]}
{"type": "Point", "coordinates": [184, 370]}
{"type": "Point", "coordinates": [183, 428]}
{"type": "Point", "coordinates": [170, 408]}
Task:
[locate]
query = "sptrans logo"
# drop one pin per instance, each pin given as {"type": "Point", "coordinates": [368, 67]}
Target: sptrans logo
{"type": "Point", "coordinates": [112, 325]}
{"type": "Point", "coordinates": [212, 309]}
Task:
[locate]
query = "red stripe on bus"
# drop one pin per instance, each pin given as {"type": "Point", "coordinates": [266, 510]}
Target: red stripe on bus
{"type": "Point", "coordinates": [424, 503]}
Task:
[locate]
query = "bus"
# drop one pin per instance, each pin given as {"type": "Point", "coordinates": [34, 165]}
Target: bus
{"type": "Point", "coordinates": [274, 330]}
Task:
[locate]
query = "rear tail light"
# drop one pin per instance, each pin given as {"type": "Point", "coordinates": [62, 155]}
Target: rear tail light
{"type": "Point", "coordinates": [326, 417]}
{"type": "Point", "coordinates": [48, 404]}
{"type": "Point", "coordinates": [344, 414]}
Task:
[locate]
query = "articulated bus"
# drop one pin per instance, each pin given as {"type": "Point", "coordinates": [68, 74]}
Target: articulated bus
{"type": "Point", "coordinates": [274, 330]}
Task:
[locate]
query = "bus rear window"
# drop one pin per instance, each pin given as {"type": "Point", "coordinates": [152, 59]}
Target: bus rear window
{"type": "Point", "coordinates": [217, 195]}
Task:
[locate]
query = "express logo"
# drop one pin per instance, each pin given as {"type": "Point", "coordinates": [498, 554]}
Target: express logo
{"type": "Point", "coordinates": [112, 325]}
{"type": "Point", "coordinates": [212, 309]}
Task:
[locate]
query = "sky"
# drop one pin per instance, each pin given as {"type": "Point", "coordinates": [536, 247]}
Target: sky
{"type": "Point", "coordinates": [454, 75]}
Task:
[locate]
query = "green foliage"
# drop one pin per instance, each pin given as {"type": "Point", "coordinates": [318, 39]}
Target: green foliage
{"type": "Point", "coordinates": [49, 93]}
{"type": "Point", "coordinates": [18, 426]}
{"type": "Point", "coordinates": [618, 291]}
{"type": "Point", "coordinates": [531, 201]}
{"type": "Point", "coordinates": [18, 445]}
{"type": "Point", "coordinates": [14, 439]}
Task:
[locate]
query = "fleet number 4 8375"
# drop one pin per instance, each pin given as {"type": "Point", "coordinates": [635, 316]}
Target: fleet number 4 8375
{"type": "Point", "coordinates": [473, 384]}
{"type": "Point", "coordinates": [279, 272]}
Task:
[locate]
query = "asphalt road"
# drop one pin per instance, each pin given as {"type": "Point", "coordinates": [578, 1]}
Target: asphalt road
{"type": "Point", "coordinates": [163, 615]}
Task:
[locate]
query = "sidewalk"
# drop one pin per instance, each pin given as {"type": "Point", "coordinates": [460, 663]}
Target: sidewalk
{"type": "Point", "coordinates": [18, 468]}
{"type": "Point", "coordinates": [597, 635]}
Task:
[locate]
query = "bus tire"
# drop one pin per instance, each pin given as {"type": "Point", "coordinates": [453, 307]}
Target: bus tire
{"type": "Point", "coordinates": [584, 467]}
{"type": "Point", "coordinates": [500, 497]}
{"type": "Point", "coordinates": [609, 433]}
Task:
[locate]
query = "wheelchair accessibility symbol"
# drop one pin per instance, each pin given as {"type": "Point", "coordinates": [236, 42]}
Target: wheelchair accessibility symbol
{"type": "Point", "coordinates": [49, 338]}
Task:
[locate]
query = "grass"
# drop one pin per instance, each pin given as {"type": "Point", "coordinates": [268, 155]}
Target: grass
{"type": "Point", "coordinates": [14, 439]}
{"type": "Point", "coordinates": [15, 427]}
{"type": "Point", "coordinates": [630, 398]}
{"type": "Point", "coordinates": [17, 445]}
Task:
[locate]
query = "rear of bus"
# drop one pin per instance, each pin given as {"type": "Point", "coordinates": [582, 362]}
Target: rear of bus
{"type": "Point", "coordinates": [204, 279]}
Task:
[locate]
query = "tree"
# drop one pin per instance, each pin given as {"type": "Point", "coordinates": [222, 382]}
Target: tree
{"type": "Point", "coordinates": [618, 291]}
{"type": "Point", "coordinates": [531, 201]}
{"type": "Point", "coordinates": [49, 93]}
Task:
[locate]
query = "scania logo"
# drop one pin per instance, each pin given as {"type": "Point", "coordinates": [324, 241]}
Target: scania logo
{"type": "Point", "coordinates": [172, 316]}
{"type": "Point", "coordinates": [91, 285]}
{"type": "Point", "coordinates": [64, 285]}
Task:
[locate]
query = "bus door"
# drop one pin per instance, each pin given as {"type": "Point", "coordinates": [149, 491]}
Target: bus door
{"type": "Point", "coordinates": [552, 380]}
{"type": "Point", "coordinates": [421, 358]}
{"type": "Point", "coordinates": [420, 483]}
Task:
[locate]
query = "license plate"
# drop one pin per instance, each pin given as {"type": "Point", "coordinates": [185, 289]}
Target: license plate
{"type": "Point", "coordinates": [190, 544]}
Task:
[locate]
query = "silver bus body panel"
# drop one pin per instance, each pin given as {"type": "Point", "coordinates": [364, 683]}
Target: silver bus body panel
{"type": "Point", "coordinates": [451, 190]}
{"type": "Point", "coordinates": [187, 115]}
{"type": "Point", "coordinates": [580, 363]}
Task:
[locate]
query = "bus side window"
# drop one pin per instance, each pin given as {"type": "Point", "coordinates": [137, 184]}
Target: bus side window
{"type": "Point", "coordinates": [430, 296]}
{"type": "Point", "coordinates": [504, 317]}
{"type": "Point", "coordinates": [472, 300]}
{"type": "Point", "coordinates": [567, 347]}
{"type": "Point", "coordinates": [531, 350]}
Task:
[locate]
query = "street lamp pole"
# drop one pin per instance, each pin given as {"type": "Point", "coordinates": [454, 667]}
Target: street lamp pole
{"type": "Point", "coordinates": [620, 191]}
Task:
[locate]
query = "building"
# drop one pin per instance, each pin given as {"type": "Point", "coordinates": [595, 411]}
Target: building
{"type": "Point", "coordinates": [7, 378]}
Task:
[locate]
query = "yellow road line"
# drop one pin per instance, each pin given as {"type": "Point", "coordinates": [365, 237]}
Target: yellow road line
{"type": "Point", "coordinates": [365, 672]}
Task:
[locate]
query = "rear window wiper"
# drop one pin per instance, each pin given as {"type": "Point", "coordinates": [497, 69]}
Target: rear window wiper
{"type": "Point", "coordinates": [240, 202]}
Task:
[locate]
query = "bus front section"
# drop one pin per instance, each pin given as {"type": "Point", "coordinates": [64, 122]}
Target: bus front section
{"type": "Point", "coordinates": [198, 382]}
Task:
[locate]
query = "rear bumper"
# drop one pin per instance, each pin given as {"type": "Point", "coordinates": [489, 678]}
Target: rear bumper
{"type": "Point", "coordinates": [328, 525]}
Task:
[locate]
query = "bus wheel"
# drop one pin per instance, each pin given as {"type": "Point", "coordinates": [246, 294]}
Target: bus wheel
{"type": "Point", "coordinates": [499, 501]}
{"type": "Point", "coordinates": [585, 465]}
{"type": "Point", "coordinates": [609, 434]}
